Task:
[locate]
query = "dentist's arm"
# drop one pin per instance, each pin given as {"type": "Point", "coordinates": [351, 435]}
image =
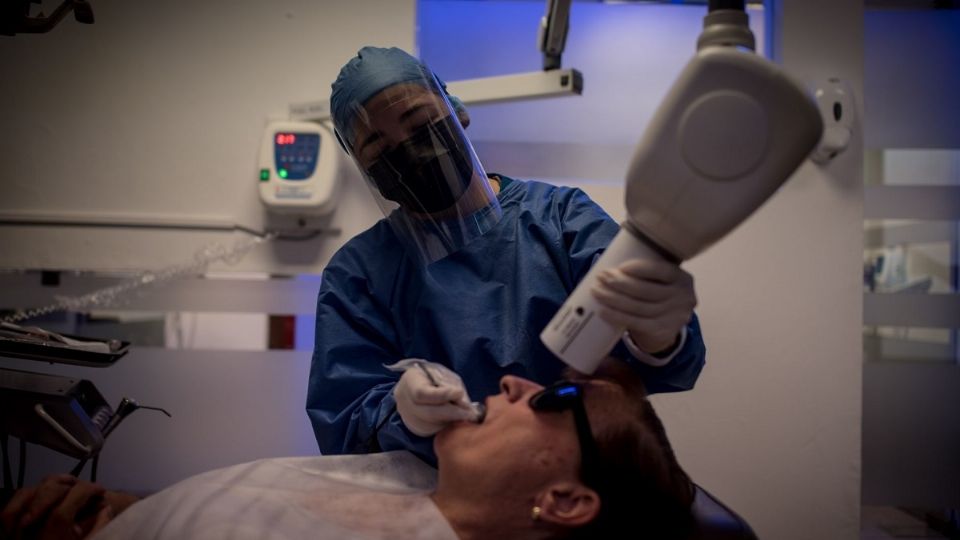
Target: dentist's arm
{"type": "Point", "coordinates": [587, 231]}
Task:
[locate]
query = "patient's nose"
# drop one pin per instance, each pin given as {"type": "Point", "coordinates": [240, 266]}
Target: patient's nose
{"type": "Point", "coordinates": [515, 388]}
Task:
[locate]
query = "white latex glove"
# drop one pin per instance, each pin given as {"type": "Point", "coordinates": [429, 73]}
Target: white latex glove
{"type": "Point", "coordinates": [653, 300]}
{"type": "Point", "coordinates": [426, 405]}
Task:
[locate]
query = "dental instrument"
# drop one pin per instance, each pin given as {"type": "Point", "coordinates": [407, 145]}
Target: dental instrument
{"type": "Point", "coordinates": [478, 409]}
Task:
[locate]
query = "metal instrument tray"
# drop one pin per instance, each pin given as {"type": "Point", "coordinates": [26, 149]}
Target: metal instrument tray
{"type": "Point", "coordinates": [60, 353]}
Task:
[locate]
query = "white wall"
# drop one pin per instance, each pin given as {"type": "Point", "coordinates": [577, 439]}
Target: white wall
{"type": "Point", "coordinates": [828, 380]}
{"type": "Point", "coordinates": [155, 112]}
{"type": "Point", "coordinates": [773, 426]}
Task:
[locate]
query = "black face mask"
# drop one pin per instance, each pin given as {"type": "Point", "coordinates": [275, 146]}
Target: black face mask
{"type": "Point", "coordinates": [428, 172]}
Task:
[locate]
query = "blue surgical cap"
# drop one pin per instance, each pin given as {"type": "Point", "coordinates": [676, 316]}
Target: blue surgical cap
{"type": "Point", "coordinates": [366, 74]}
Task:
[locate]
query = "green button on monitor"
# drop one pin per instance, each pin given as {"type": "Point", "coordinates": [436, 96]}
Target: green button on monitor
{"type": "Point", "coordinates": [282, 173]}
{"type": "Point", "coordinates": [264, 175]}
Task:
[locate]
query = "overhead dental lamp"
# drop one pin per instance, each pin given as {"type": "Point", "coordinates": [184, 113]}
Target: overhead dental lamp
{"type": "Point", "coordinates": [733, 128]}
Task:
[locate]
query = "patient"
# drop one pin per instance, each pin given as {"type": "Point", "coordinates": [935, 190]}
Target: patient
{"type": "Point", "coordinates": [583, 458]}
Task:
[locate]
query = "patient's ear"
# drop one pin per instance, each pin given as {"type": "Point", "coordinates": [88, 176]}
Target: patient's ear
{"type": "Point", "coordinates": [570, 504]}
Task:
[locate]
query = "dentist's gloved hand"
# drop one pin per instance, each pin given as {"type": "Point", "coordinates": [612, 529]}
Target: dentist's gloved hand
{"type": "Point", "coordinates": [652, 299]}
{"type": "Point", "coordinates": [426, 405]}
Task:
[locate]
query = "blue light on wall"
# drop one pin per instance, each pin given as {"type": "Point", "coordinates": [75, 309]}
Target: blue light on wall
{"type": "Point", "coordinates": [629, 55]}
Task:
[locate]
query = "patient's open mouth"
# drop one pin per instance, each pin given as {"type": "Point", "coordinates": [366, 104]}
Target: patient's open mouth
{"type": "Point", "coordinates": [480, 412]}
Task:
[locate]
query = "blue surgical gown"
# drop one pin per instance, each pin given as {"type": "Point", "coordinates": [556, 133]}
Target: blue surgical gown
{"type": "Point", "coordinates": [479, 311]}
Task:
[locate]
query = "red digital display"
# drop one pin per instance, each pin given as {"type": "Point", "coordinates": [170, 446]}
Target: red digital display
{"type": "Point", "coordinates": [286, 138]}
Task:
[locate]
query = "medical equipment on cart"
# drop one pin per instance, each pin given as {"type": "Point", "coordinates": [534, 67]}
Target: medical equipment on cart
{"type": "Point", "coordinates": [65, 414]}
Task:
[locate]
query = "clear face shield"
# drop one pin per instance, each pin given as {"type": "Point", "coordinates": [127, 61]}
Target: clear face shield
{"type": "Point", "coordinates": [409, 145]}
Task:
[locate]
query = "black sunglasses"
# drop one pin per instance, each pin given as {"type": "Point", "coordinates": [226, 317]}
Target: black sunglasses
{"type": "Point", "coordinates": [564, 395]}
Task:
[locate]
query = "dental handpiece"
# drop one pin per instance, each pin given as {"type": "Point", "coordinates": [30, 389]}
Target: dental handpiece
{"type": "Point", "coordinates": [478, 410]}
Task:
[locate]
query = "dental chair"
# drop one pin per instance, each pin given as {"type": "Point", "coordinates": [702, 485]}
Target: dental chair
{"type": "Point", "coordinates": [712, 520]}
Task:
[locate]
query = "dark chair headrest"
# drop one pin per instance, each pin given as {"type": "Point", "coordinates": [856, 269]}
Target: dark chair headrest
{"type": "Point", "coordinates": [714, 521]}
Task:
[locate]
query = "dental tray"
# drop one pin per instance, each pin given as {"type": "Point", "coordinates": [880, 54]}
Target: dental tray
{"type": "Point", "coordinates": [61, 353]}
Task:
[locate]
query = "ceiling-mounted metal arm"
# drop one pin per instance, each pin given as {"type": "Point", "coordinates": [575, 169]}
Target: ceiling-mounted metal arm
{"type": "Point", "coordinates": [552, 36]}
{"type": "Point", "coordinates": [482, 91]}
{"type": "Point", "coordinates": [551, 82]}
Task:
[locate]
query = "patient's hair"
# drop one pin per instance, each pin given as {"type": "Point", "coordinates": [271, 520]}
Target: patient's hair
{"type": "Point", "coordinates": [643, 491]}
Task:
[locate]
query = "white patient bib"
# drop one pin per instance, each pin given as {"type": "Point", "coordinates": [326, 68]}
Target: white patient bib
{"type": "Point", "coordinates": [374, 496]}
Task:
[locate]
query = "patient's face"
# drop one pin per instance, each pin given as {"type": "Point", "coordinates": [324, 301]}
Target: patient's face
{"type": "Point", "coordinates": [514, 443]}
